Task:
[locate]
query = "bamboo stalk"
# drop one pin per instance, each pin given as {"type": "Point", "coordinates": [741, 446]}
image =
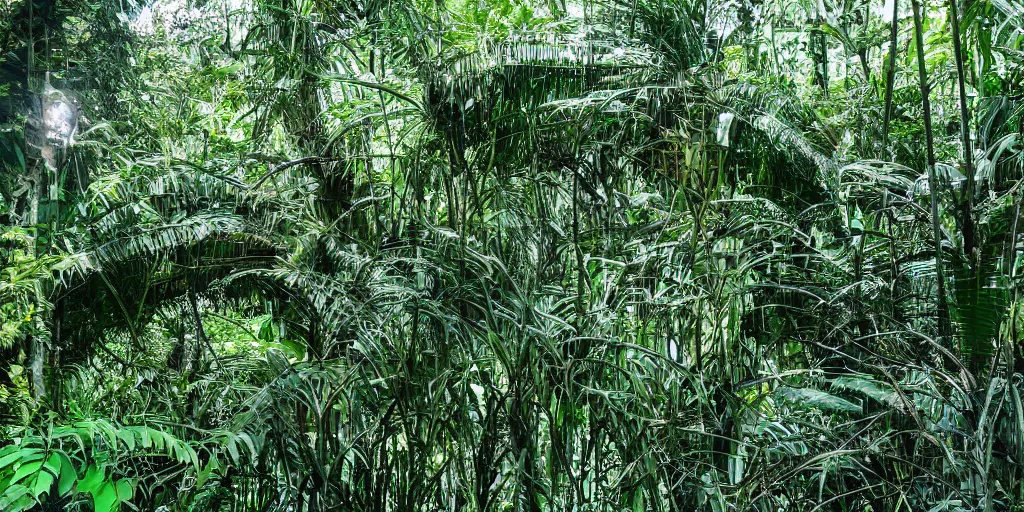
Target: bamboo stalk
{"type": "Point", "coordinates": [967, 203]}
{"type": "Point", "coordinates": [933, 184]}
{"type": "Point", "coordinates": [890, 81]}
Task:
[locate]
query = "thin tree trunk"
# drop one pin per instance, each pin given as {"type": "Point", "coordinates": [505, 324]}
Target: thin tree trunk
{"type": "Point", "coordinates": [38, 344]}
{"type": "Point", "coordinates": [967, 203]}
{"type": "Point", "coordinates": [37, 367]}
{"type": "Point", "coordinates": [819, 51]}
{"type": "Point", "coordinates": [890, 80]}
{"type": "Point", "coordinates": [933, 184]}
{"type": "Point", "coordinates": [862, 55]}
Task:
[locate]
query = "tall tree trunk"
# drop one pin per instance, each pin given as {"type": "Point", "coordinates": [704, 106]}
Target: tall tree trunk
{"type": "Point", "coordinates": [933, 182]}
{"type": "Point", "coordinates": [967, 203]}
{"type": "Point", "coordinates": [37, 347]}
{"type": "Point", "coordinates": [890, 79]}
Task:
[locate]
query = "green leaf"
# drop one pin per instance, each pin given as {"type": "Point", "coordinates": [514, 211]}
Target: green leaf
{"type": "Point", "coordinates": [204, 474]}
{"type": "Point", "coordinates": [26, 470]}
{"type": "Point", "coordinates": [107, 430]}
{"type": "Point", "coordinates": [293, 348]}
{"type": "Point", "coordinates": [818, 399]}
{"type": "Point", "coordinates": [223, 71]}
{"type": "Point", "coordinates": [53, 463]}
{"type": "Point", "coordinates": [68, 475]}
{"type": "Point", "coordinates": [9, 459]}
{"type": "Point", "coordinates": [193, 457]}
{"type": "Point", "coordinates": [248, 442]}
{"type": "Point", "coordinates": [868, 387]}
{"type": "Point", "coordinates": [7, 450]}
{"type": "Point", "coordinates": [233, 450]}
{"type": "Point", "coordinates": [159, 439]}
{"type": "Point", "coordinates": [43, 483]}
{"type": "Point", "coordinates": [124, 489]}
{"type": "Point", "coordinates": [13, 498]}
{"type": "Point", "coordinates": [23, 454]}
{"type": "Point", "coordinates": [176, 451]}
{"type": "Point", "coordinates": [21, 157]}
{"type": "Point", "coordinates": [93, 479]}
{"type": "Point", "coordinates": [979, 308]}
{"type": "Point", "coordinates": [170, 443]}
{"type": "Point", "coordinates": [277, 360]}
{"type": "Point", "coordinates": [105, 498]}
{"type": "Point", "coordinates": [128, 438]}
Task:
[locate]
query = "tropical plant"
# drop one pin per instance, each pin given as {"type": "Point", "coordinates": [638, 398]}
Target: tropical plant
{"type": "Point", "coordinates": [507, 255]}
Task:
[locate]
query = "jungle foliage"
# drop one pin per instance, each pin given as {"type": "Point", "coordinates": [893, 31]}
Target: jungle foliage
{"type": "Point", "coordinates": [494, 255]}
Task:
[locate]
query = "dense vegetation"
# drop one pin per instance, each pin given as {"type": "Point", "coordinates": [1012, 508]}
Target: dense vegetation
{"type": "Point", "coordinates": [494, 255]}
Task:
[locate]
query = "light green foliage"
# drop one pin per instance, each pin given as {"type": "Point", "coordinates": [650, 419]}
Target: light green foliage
{"type": "Point", "coordinates": [23, 288]}
{"type": "Point", "coordinates": [88, 460]}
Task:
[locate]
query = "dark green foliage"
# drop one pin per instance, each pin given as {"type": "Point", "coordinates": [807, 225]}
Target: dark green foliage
{"type": "Point", "coordinates": [482, 256]}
